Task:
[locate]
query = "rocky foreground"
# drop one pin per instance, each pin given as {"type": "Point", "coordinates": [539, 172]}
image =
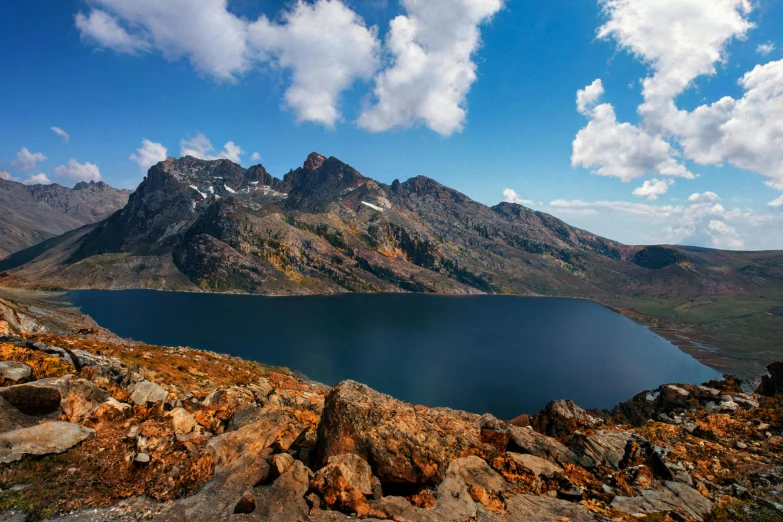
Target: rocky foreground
{"type": "Point", "coordinates": [96, 428]}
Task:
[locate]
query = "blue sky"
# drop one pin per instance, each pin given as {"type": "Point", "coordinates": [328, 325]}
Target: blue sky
{"type": "Point", "coordinates": [388, 87]}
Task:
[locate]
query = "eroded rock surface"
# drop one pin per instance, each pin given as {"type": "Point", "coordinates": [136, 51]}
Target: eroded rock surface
{"type": "Point", "coordinates": [401, 443]}
{"type": "Point", "coordinates": [43, 439]}
{"type": "Point", "coordinates": [197, 436]}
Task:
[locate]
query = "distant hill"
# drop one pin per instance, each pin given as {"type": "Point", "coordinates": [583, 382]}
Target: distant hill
{"type": "Point", "coordinates": [30, 214]}
{"type": "Point", "coordinates": [324, 228]}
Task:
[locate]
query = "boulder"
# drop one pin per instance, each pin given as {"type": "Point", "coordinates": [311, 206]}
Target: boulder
{"type": "Point", "coordinates": [14, 372]}
{"type": "Point", "coordinates": [772, 384]}
{"type": "Point", "coordinates": [528, 441]}
{"type": "Point", "coordinates": [345, 483]}
{"type": "Point", "coordinates": [276, 427]}
{"type": "Point", "coordinates": [43, 439]}
{"type": "Point", "coordinates": [673, 496]}
{"type": "Point", "coordinates": [562, 418]}
{"type": "Point", "coordinates": [37, 398]}
{"type": "Point", "coordinates": [241, 462]}
{"type": "Point", "coordinates": [182, 421]}
{"type": "Point", "coordinates": [231, 398]}
{"type": "Point", "coordinates": [82, 399]}
{"type": "Point", "coordinates": [604, 447]}
{"type": "Point", "coordinates": [111, 409]}
{"type": "Point", "coordinates": [539, 466]}
{"type": "Point", "coordinates": [668, 400]}
{"type": "Point", "coordinates": [284, 500]}
{"type": "Point", "coordinates": [147, 392]}
{"type": "Point", "coordinates": [401, 442]}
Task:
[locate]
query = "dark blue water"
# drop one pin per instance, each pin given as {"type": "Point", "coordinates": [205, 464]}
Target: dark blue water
{"type": "Point", "coordinates": [499, 354]}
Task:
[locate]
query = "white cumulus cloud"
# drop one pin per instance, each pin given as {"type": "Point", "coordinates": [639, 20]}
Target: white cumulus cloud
{"type": "Point", "coordinates": [702, 221]}
{"type": "Point", "coordinates": [324, 45]}
{"type": "Point", "coordinates": [776, 203]}
{"type": "Point", "coordinates": [724, 236]}
{"type": "Point", "coordinates": [200, 147]}
{"type": "Point", "coordinates": [103, 29]}
{"type": "Point", "coordinates": [587, 98]}
{"type": "Point", "coordinates": [621, 150]}
{"type": "Point", "coordinates": [4, 174]}
{"type": "Point", "coordinates": [206, 33]}
{"type": "Point", "coordinates": [327, 48]}
{"type": "Point", "coordinates": [256, 157]}
{"type": "Point", "coordinates": [432, 49]}
{"type": "Point", "coordinates": [680, 41]}
{"type": "Point", "coordinates": [38, 179]}
{"type": "Point", "coordinates": [511, 196]}
{"type": "Point", "coordinates": [765, 48]}
{"type": "Point", "coordinates": [704, 197]}
{"type": "Point", "coordinates": [26, 160]}
{"type": "Point", "coordinates": [64, 135]}
{"type": "Point", "coordinates": [747, 132]}
{"type": "Point", "coordinates": [653, 189]}
{"type": "Point", "coordinates": [148, 154]}
{"type": "Point", "coordinates": [79, 171]}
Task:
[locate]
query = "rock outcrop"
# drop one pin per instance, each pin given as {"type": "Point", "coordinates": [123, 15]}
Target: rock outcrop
{"type": "Point", "coordinates": [562, 418]}
{"type": "Point", "coordinates": [43, 439]}
{"type": "Point", "coordinates": [177, 434]}
{"type": "Point", "coordinates": [403, 444]}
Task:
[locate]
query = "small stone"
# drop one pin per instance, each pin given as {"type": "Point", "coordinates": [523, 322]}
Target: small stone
{"type": "Point", "coordinates": [246, 504]}
{"type": "Point", "coordinates": [14, 371]}
{"type": "Point", "coordinates": [314, 501]}
{"type": "Point", "coordinates": [282, 462]}
{"type": "Point", "coordinates": [147, 391]}
{"type": "Point", "coordinates": [142, 458]}
{"type": "Point", "coordinates": [741, 445]}
{"type": "Point", "coordinates": [728, 406]}
{"type": "Point", "coordinates": [572, 494]}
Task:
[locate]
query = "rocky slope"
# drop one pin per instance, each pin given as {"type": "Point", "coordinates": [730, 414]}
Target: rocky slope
{"type": "Point", "coordinates": [325, 228]}
{"type": "Point", "coordinates": [30, 214]}
{"type": "Point", "coordinates": [95, 428]}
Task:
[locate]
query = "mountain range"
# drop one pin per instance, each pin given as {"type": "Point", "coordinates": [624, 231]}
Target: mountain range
{"type": "Point", "coordinates": [324, 228]}
{"type": "Point", "coordinates": [30, 214]}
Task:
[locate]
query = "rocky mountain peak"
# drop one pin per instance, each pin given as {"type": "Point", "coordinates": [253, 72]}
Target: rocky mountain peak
{"type": "Point", "coordinates": [424, 186]}
{"type": "Point", "coordinates": [82, 185]}
{"type": "Point", "coordinates": [314, 161]}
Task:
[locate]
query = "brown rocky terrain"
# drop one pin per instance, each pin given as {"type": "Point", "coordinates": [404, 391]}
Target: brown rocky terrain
{"type": "Point", "coordinates": [93, 427]}
{"type": "Point", "coordinates": [324, 228]}
{"type": "Point", "coordinates": [30, 214]}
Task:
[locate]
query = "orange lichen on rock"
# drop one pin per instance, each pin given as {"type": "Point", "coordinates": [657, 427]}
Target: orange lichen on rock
{"type": "Point", "coordinates": [42, 364]}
